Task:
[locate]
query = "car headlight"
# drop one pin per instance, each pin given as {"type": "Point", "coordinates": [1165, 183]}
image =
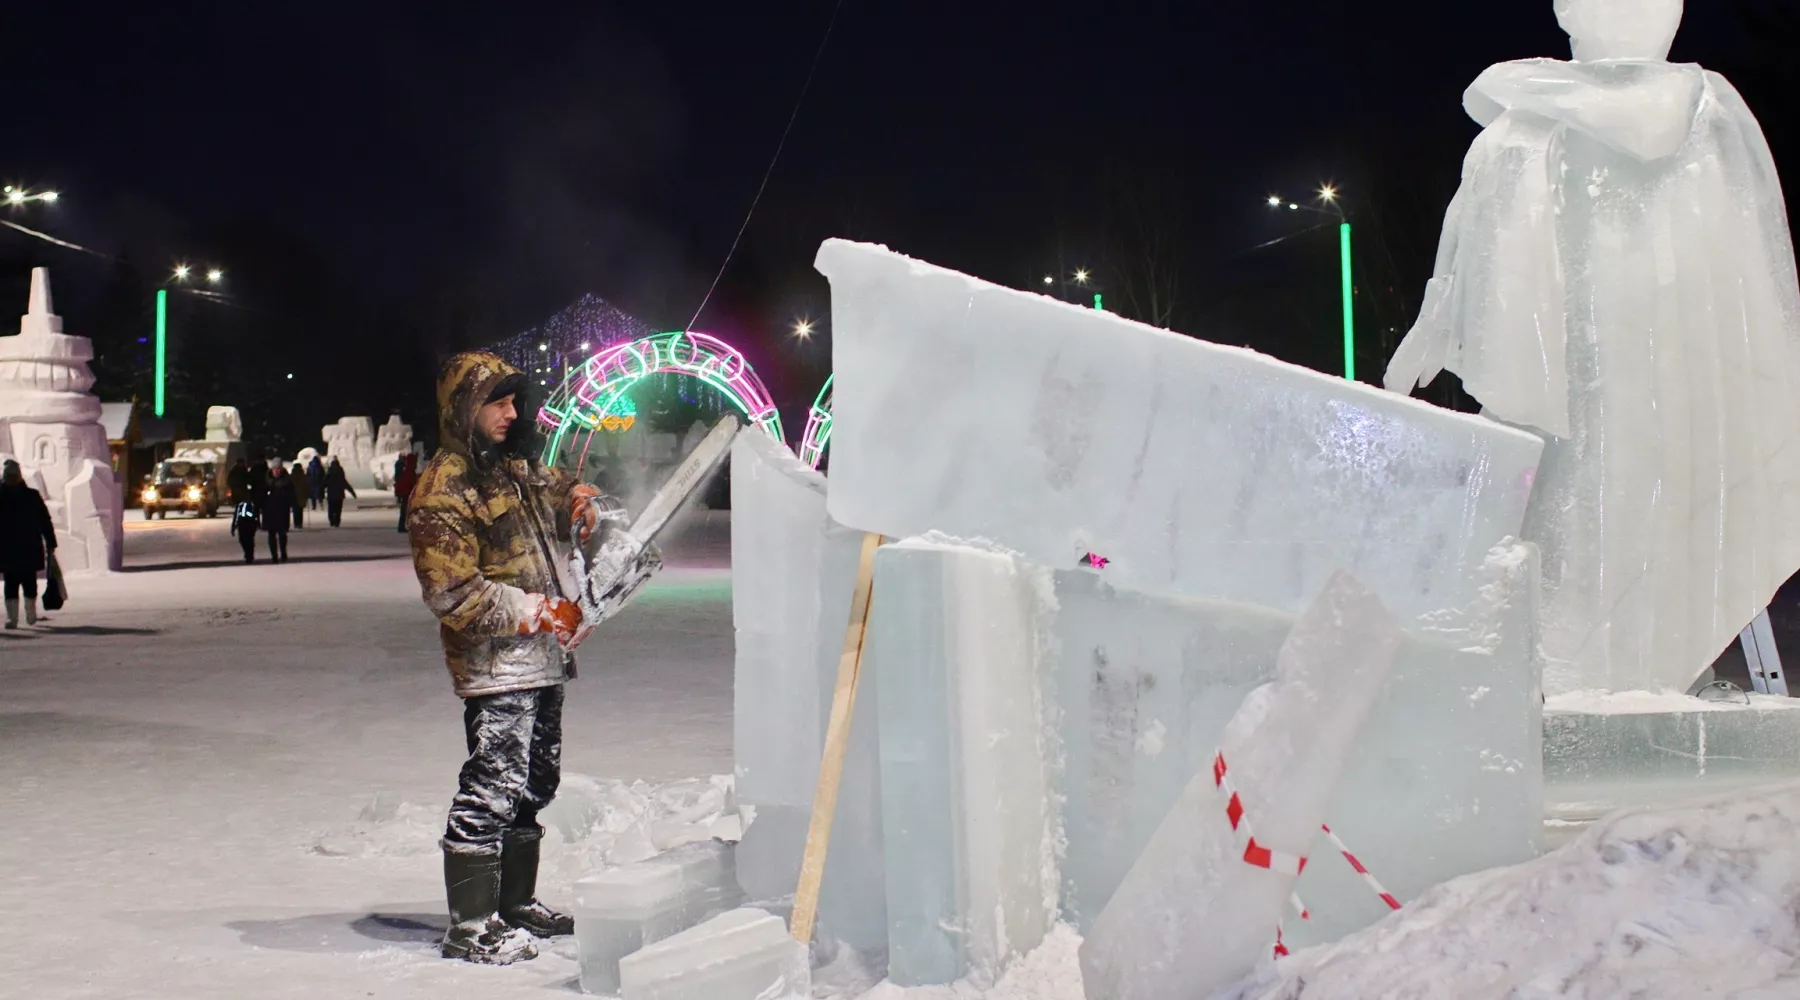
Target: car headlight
{"type": "Point", "coordinates": [193, 493]}
{"type": "Point", "coordinates": [150, 494]}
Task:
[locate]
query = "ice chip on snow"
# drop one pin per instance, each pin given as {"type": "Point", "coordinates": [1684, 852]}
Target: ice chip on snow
{"type": "Point", "coordinates": [968, 824]}
{"type": "Point", "coordinates": [1616, 271]}
{"type": "Point", "coordinates": [1194, 913]}
{"type": "Point", "coordinates": [1056, 431]}
{"type": "Point", "coordinates": [743, 954]}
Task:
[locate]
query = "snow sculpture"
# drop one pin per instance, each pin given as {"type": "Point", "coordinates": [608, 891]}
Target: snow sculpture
{"type": "Point", "coordinates": [50, 423]}
{"type": "Point", "coordinates": [351, 441]}
{"type": "Point", "coordinates": [224, 424]}
{"type": "Point", "coordinates": [1616, 272]}
{"type": "Point", "coordinates": [392, 440]}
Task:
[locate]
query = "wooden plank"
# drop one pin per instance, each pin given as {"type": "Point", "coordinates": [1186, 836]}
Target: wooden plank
{"type": "Point", "coordinates": [837, 743]}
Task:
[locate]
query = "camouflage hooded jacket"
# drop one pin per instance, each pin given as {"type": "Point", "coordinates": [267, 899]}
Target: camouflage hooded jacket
{"type": "Point", "coordinates": [484, 526]}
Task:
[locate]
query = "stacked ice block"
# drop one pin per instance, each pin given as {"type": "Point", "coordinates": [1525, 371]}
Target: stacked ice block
{"type": "Point", "coordinates": [793, 570]}
{"type": "Point", "coordinates": [969, 826]}
{"type": "Point", "coordinates": [619, 911]}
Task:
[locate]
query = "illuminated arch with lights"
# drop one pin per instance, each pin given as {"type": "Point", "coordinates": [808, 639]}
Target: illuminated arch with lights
{"type": "Point", "coordinates": [595, 396]}
{"type": "Point", "coordinates": [818, 427]}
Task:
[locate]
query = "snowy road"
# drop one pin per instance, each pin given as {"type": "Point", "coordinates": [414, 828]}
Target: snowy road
{"type": "Point", "coordinates": [180, 737]}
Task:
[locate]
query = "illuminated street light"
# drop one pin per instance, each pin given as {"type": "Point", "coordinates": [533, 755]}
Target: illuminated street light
{"type": "Point", "coordinates": [803, 328]}
{"type": "Point", "coordinates": [215, 275]}
{"type": "Point", "coordinates": [1049, 280]}
{"type": "Point", "coordinates": [1081, 276]}
{"type": "Point", "coordinates": [1274, 201]}
{"type": "Point", "coordinates": [181, 272]}
{"type": "Point", "coordinates": [49, 196]}
{"type": "Point", "coordinates": [1328, 192]}
{"type": "Point", "coordinates": [584, 345]}
{"type": "Point", "coordinates": [543, 347]}
{"type": "Point", "coordinates": [15, 197]}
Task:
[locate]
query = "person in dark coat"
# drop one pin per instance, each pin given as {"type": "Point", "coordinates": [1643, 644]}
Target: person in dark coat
{"type": "Point", "coordinates": [278, 510]}
{"type": "Point", "coordinates": [336, 485]}
{"type": "Point", "coordinates": [297, 484]}
{"type": "Point", "coordinates": [405, 478]}
{"type": "Point", "coordinates": [26, 534]}
{"type": "Point", "coordinates": [315, 481]}
{"type": "Point", "coordinates": [237, 482]}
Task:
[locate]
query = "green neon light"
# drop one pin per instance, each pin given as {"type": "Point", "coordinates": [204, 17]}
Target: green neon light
{"type": "Point", "coordinates": [162, 341]}
{"type": "Point", "coordinates": [1349, 305]}
{"type": "Point", "coordinates": [1097, 304]}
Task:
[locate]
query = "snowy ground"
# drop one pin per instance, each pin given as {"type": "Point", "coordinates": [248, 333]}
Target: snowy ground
{"type": "Point", "coordinates": [182, 738]}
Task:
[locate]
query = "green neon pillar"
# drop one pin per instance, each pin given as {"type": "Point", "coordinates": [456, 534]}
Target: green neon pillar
{"type": "Point", "coordinates": [1349, 305]}
{"type": "Point", "coordinates": [1097, 304]}
{"type": "Point", "coordinates": [162, 340]}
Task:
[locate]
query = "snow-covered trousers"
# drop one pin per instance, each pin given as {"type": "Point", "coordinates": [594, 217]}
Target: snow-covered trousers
{"type": "Point", "coordinates": [514, 766]}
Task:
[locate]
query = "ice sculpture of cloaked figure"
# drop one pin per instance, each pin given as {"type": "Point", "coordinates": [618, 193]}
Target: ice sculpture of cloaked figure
{"type": "Point", "coordinates": [1616, 272]}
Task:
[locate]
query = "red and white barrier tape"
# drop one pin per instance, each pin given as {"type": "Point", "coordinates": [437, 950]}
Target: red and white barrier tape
{"type": "Point", "coordinates": [1344, 849]}
{"type": "Point", "coordinates": [1261, 856]}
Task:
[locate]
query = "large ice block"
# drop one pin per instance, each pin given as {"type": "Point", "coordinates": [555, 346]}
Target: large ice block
{"type": "Point", "coordinates": [1194, 913]}
{"type": "Point", "coordinates": [1604, 752]}
{"type": "Point", "coordinates": [957, 634]}
{"type": "Point", "coordinates": [777, 544]}
{"type": "Point", "coordinates": [1206, 470]}
{"type": "Point", "coordinates": [1616, 270]}
{"type": "Point", "coordinates": [743, 954]}
{"type": "Point", "coordinates": [1445, 779]}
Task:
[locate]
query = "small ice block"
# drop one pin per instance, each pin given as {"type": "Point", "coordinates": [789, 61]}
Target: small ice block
{"type": "Point", "coordinates": [620, 911]}
{"type": "Point", "coordinates": [743, 954]}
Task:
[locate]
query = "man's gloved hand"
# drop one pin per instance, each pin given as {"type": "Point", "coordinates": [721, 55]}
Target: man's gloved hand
{"type": "Point", "coordinates": [554, 615]}
{"type": "Point", "coordinates": [588, 507]}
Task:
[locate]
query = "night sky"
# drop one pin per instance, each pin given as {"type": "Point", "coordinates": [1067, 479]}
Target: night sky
{"type": "Point", "coordinates": [447, 175]}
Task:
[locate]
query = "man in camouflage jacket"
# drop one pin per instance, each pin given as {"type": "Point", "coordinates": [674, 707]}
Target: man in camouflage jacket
{"type": "Point", "coordinates": [484, 521]}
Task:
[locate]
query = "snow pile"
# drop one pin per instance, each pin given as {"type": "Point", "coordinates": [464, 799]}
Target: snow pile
{"type": "Point", "coordinates": [1655, 903]}
{"type": "Point", "coordinates": [599, 823]}
{"type": "Point", "coordinates": [386, 828]}
{"type": "Point", "coordinates": [1049, 972]}
{"type": "Point", "coordinates": [592, 824]}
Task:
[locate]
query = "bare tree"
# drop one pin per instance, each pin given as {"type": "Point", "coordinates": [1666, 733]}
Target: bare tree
{"type": "Point", "coordinates": [1142, 220]}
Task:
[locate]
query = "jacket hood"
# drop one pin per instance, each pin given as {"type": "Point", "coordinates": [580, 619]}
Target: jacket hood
{"type": "Point", "coordinates": [462, 389]}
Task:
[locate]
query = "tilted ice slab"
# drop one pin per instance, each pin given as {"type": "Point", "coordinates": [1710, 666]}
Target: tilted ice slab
{"type": "Point", "coordinates": [1445, 779]}
{"type": "Point", "coordinates": [743, 954]}
{"type": "Point", "coordinates": [1206, 470]}
{"type": "Point", "coordinates": [1193, 914]}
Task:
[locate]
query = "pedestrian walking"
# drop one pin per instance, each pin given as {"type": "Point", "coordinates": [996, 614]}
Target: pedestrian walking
{"type": "Point", "coordinates": [278, 510]}
{"type": "Point", "coordinates": [404, 480]}
{"type": "Point", "coordinates": [243, 525]}
{"type": "Point", "coordinates": [237, 482]}
{"type": "Point", "coordinates": [315, 481]}
{"type": "Point", "coordinates": [26, 535]}
{"type": "Point", "coordinates": [336, 485]}
{"type": "Point", "coordinates": [297, 484]}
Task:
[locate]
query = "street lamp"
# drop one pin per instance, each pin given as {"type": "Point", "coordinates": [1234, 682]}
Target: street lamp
{"type": "Point", "coordinates": [1081, 276]}
{"type": "Point", "coordinates": [215, 275]}
{"type": "Point", "coordinates": [1329, 195]}
{"type": "Point", "coordinates": [803, 328]}
{"type": "Point", "coordinates": [181, 272]}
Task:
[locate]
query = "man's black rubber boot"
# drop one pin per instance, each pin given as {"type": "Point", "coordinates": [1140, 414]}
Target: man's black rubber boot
{"type": "Point", "coordinates": [477, 934]}
{"type": "Point", "coordinates": [519, 905]}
